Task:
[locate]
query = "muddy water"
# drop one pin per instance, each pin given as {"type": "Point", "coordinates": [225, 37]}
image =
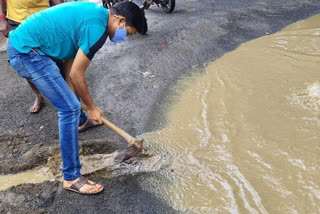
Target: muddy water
{"type": "Point", "coordinates": [37, 175]}
{"type": "Point", "coordinates": [241, 137]}
{"type": "Point", "coordinates": [244, 136]}
{"type": "Point", "coordinates": [52, 170]}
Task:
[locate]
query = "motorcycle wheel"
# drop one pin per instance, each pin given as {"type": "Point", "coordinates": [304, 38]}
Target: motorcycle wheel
{"type": "Point", "coordinates": [168, 7]}
{"type": "Point", "coordinates": [146, 5]}
{"type": "Point", "coordinates": [108, 3]}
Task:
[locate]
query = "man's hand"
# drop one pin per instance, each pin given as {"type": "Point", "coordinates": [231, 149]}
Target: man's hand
{"type": "Point", "coordinates": [95, 114]}
{"type": "Point", "coordinates": [3, 25]}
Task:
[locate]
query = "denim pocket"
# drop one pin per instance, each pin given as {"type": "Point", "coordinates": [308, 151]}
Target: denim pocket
{"type": "Point", "coordinates": [35, 62]}
{"type": "Point", "coordinates": [35, 59]}
{"type": "Point", "coordinates": [18, 66]}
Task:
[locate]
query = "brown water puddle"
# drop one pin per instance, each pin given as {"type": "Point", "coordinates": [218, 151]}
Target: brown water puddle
{"type": "Point", "coordinates": [244, 136]}
{"type": "Point", "coordinates": [37, 175]}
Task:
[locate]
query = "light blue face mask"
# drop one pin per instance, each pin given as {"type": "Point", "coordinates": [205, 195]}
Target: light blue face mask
{"type": "Point", "coordinates": [120, 35]}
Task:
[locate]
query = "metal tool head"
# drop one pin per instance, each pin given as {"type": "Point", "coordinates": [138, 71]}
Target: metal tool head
{"type": "Point", "coordinates": [124, 154]}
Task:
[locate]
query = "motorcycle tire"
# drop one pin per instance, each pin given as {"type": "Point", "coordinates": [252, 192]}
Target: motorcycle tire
{"type": "Point", "coordinates": [168, 7]}
{"type": "Point", "coordinates": [146, 5]}
{"type": "Point", "coordinates": [107, 3]}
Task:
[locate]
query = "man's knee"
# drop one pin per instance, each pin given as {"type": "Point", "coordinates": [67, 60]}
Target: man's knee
{"type": "Point", "coordinates": [71, 111]}
{"type": "Point", "coordinates": [73, 106]}
{"type": "Point", "coordinates": [76, 107]}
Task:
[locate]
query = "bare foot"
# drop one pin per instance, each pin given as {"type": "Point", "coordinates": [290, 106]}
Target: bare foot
{"type": "Point", "coordinates": [38, 103]}
{"type": "Point", "coordinates": [82, 185]}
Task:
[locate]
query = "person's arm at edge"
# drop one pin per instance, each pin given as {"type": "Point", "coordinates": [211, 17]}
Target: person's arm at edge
{"type": "Point", "coordinates": [3, 20]}
{"type": "Point", "coordinates": [75, 76]}
{"type": "Point", "coordinates": [2, 7]}
{"type": "Point", "coordinates": [55, 2]}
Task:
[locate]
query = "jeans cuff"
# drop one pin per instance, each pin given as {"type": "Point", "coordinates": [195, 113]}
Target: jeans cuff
{"type": "Point", "coordinates": [71, 178]}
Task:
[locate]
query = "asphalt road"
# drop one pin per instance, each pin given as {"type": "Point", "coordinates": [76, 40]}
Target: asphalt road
{"type": "Point", "coordinates": [129, 82]}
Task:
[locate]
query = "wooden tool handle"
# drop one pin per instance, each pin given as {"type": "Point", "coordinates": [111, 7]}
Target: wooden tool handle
{"type": "Point", "coordinates": [116, 129]}
{"type": "Point", "coordinates": [119, 131]}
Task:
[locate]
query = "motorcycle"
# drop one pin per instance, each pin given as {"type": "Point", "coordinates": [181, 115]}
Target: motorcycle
{"type": "Point", "coordinates": [166, 5]}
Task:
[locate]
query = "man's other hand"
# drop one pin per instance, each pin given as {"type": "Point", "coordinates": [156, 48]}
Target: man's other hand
{"type": "Point", "coordinates": [95, 114]}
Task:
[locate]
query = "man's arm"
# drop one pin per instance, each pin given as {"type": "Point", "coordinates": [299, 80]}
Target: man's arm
{"type": "Point", "coordinates": [55, 2]}
{"type": "Point", "coordinates": [75, 71]}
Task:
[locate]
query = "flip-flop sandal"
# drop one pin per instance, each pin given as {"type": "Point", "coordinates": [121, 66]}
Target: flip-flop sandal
{"type": "Point", "coordinates": [87, 125]}
{"type": "Point", "coordinates": [80, 183]}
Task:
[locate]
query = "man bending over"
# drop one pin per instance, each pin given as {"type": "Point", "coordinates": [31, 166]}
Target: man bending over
{"type": "Point", "coordinates": [72, 32]}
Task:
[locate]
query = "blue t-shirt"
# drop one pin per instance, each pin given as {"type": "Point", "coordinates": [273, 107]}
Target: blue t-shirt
{"type": "Point", "coordinates": [61, 30]}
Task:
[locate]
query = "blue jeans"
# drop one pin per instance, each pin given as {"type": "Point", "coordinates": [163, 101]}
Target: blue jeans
{"type": "Point", "coordinates": [43, 72]}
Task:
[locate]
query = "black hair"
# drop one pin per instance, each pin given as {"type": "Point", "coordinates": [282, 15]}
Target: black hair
{"type": "Point", "coordinates": [135, 16]}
